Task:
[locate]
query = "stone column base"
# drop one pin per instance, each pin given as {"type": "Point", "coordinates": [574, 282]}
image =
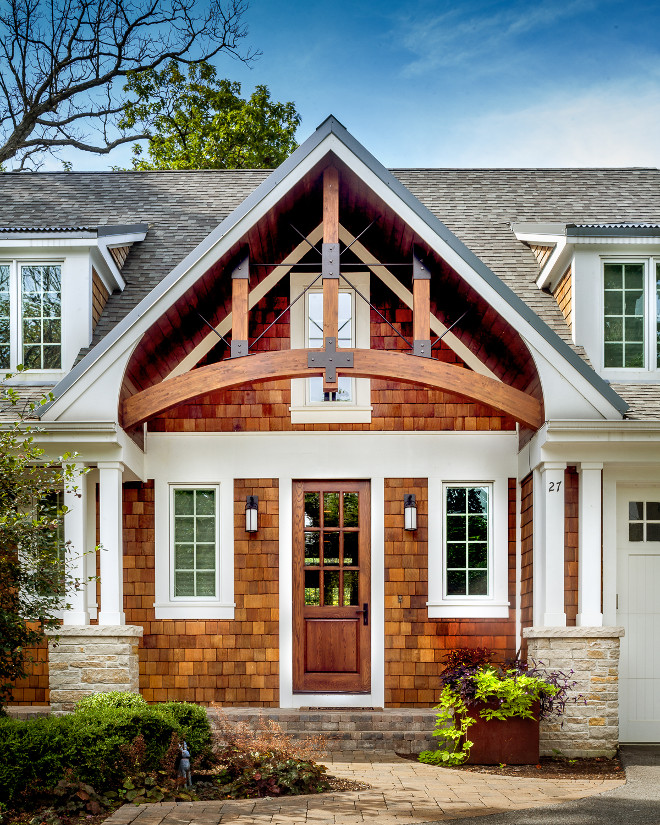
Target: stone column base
{"type": "Point", "coordinates": [88, 659]}
{"type": "Point", "coordinates": [592, 653]}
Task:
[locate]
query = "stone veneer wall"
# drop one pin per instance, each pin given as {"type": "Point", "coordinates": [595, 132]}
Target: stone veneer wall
{"type": "Point", "coordinates": [91, 659]}
{"type": "Point", "coordinates": [592, 653]}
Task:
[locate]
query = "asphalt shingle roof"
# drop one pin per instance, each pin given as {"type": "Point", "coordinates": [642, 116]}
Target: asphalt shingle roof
{"type": "Point", "coordinates": [478, 205]}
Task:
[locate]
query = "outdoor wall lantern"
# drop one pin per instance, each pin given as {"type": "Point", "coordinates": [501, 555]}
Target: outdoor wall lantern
{"type": "Point", "coordinates": [409, 512]}
{"type": "Point", "coordinates": [251, 514]}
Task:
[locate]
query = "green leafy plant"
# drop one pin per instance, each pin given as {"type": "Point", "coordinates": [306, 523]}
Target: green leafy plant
{"type": "Point", "coordinates": [472, 684]}
{"type": "Point", "coordinates": [34, 583]}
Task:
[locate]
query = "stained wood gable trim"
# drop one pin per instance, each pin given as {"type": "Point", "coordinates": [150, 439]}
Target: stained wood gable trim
{"type": "Point", "coordinates": [382, 272]}
{"type": "Point", "coordinates": [332, 139]}
{"type": "Point", "coordinates": [367, 364]}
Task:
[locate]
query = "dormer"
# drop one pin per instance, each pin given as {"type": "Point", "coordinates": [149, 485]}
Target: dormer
{"type": "Point", "coordinates": [606, 280]}
{"type": "Point", "coordinates": [54, 283]}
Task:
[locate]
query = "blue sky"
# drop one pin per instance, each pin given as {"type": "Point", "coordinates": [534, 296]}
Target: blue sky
{"type": "Point", "coordinates": [434, 83]}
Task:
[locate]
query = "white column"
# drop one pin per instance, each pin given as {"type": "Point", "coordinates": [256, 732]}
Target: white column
{"type": "Point", "coordinates": [110, 536]}
{"type": "Point", "coordinates": [90, 559]}
{"type": "Point", "coordinates": [589, 553]}
{"type": "Point", "coordinates": [75, 536]}
{"type": "Point", "coordinates": [552, 501]}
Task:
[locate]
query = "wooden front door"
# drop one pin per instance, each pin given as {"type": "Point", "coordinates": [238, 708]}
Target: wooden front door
{"type": "Point", "coordinates": [331, 587]}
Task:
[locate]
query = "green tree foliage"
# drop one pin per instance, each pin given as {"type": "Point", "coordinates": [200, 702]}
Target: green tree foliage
{"type": "Point", "coordinates": [33, 579]}
{"type": "Point", "coordinates": [197, 121]}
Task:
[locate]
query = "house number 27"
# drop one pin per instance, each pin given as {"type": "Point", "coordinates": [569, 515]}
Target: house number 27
{"type": "Point", "coordinates": [554, 486]}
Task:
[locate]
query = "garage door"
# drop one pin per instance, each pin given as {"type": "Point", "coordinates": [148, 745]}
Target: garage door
{"type": "Point", "coordinates": [638, 596]}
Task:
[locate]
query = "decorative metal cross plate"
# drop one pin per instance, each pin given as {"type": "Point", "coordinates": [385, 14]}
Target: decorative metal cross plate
{"type": "Point", "coordinates": [330, 359]}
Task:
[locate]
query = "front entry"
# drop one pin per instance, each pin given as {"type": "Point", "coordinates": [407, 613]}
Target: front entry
{"type": "Point", "coordinates": [639, 612]}
{"type": "Point", "coordinates": [331, 587]}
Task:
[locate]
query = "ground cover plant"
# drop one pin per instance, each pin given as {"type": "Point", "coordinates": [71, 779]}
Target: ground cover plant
{"type": "Point", "coordinates": [473, 683]}
{"type": "Point", "coordinates": [115, 748]}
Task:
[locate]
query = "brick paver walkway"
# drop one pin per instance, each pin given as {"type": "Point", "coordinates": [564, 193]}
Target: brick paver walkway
{"type": "Point", "coordinates": [401, 792]}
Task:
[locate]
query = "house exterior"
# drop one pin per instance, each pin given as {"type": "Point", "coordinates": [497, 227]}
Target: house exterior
{"type": "Point", "coordinates": [333, 421]}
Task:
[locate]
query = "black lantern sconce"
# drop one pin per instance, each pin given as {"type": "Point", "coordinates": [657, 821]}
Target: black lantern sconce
{"type": "Point", "coordinates": [251, 514]}
{"type": "Point", "coordinates": [409, 512]}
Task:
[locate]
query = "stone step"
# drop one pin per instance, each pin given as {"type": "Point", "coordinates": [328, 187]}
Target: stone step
{"type": "Point", "coordinates": [405, 730]}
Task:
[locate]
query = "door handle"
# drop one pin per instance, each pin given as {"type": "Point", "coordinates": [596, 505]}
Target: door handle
{"type": "Point", "coordinates": [365, 613]}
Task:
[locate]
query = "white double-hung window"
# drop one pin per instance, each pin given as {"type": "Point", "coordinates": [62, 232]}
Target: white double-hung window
{"type": "Point", "coordinates": [468, 549]}
{"type": "Point", "coordinates": [194, 549]}
{"type": "Point", "coordinates": [30, 315]}
{"type": "Point", "coordinates": [194, 526]}
{"type": "Point", "coordinates": [630, 317]}
{"type": "Point", "coordinates": [351, 403]}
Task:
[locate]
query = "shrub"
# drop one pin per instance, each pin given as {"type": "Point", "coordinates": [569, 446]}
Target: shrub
{"type": "Point", "coordinates": [266, 762]}
{"type": "Point", "coordinates": [93, 745]}
{"type": "Point", "coordinates": [112, 699]}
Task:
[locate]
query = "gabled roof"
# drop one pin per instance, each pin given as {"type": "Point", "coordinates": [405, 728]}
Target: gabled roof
{"type": "Point", "coordinates": [332, 128]}
{"type": "Point", "coordinates": [477, 205]}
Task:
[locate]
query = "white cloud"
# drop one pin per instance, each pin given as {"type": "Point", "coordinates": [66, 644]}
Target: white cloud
{"type": "Point", "coordinates": [470, 34]}
{"type": "Point", "coordinates": [601, 127]}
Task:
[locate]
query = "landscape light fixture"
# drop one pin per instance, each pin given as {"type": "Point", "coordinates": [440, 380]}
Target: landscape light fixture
{"type": "Point", "coordinates": [251, 514]}
{"type": "Point", "coordinates": [409, 512]}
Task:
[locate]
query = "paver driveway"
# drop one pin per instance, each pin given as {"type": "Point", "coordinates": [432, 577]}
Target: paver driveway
{"type": "Point", "coordinates": [401, 792]}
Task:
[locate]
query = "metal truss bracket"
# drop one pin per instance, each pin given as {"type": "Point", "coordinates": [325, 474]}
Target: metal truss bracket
{"type": "Point", "coordinates": [422, 348]}
{"type": "Point", "coordinates": [330, 359]}
{"type": "Point", "coordinates": [239, 348]}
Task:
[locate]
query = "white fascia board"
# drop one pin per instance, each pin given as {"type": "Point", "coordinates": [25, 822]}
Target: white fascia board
{"type": "Point", "coordinates": [633, 443]}
{"type": "Point", "coordinates": [492, 295]}
{"type": "Point", "coordinates": [556, 265]}
{"type": "Point", "coordinates": [91, 441]}
{"type": "Point", "coordinates": [108, 242]}
{"type": "Point", "coordinates": [57, 242]}
{"type": "Point", "coordinates": [103, 269]}
{"type": "Point", "coordinates": [546, 235]}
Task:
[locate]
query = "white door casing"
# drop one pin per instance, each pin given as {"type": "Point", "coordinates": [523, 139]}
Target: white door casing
{"type": "Point", "coordinates": [638, 596]}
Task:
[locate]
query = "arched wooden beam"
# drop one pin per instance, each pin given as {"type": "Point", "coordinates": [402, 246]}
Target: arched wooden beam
{"type": "Point", "coordinates": [368, 363]}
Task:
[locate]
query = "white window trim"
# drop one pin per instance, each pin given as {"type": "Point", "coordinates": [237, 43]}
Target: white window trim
{"type": "Point", "coordinates": [330, 412]}
{"type": "Point", "coordinates": [16, 315]}
{"type": "Point", "coordinates": [496, 604]}
{"type": "Point", "coordinates": [168, 606]}
{"type": "Point", "coordinates": [650, 352]}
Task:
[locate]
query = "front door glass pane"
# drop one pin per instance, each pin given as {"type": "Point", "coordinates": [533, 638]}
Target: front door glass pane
{"type": "Point", "coordinates": [331, 549]}
{"type": "Point", "coordinates": [331, 588]}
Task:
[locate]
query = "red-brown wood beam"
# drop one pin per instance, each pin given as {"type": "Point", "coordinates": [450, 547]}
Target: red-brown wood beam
{"type": "Point", "coordinates": [367, 364]}
{"type": "Point", "coordinates": [421, 308]}
{"type": "Point", "coordinates": [240, 282]}
{"type": "Point", "coordinates": [330, 262]}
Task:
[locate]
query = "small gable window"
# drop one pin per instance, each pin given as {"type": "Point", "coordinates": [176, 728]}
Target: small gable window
{"type": "Point", "coordinates": [31, 316]}
{"type": "Point", "coordinates": [351, 402]}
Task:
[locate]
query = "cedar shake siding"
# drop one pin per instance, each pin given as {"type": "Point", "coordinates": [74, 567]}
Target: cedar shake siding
{"type": "Point", "coordinates": [415, 646]}
{"type": "Point", "coordinates": [527, 555]}
{"type": "Point", "coordinates": [232, 662]}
